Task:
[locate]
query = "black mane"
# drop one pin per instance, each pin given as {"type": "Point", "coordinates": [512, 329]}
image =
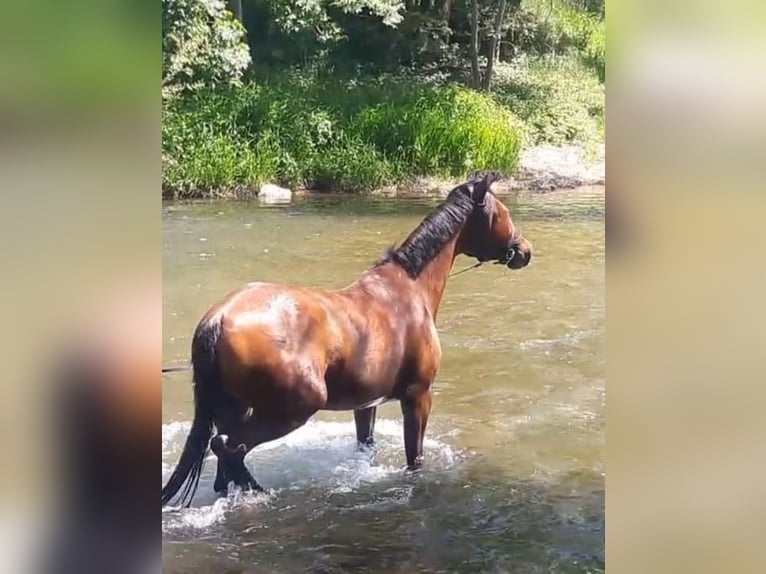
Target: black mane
{"type": "Point", "coordinates": [435, 230]}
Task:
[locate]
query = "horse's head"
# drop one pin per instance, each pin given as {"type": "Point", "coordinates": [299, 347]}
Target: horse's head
{"type": "Point", "coordinates": [490, 234]}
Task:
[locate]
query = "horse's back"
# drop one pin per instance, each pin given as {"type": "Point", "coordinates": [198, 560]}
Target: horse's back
{"type": "Point", "coordinates": [268, 315]}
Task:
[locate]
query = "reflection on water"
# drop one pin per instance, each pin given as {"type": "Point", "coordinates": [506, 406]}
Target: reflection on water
{"type": "Point", "coordinates": [514, 452]}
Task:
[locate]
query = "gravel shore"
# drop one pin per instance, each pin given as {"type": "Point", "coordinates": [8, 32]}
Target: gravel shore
{"type": "Point", "coordinates": [542, 168]}
{"type": "Point", "coordinates": [546, 167]}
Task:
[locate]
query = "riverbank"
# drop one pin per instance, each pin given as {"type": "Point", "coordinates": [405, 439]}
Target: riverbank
{"type": "Point", "coordinates": [541, 168]}
{"type": "Point", "coordinates": [385, 136]}
{"type": "Point", "coordinates": [328, 137]}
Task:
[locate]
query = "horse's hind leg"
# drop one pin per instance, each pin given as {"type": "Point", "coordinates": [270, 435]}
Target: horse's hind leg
{"type": "Point", "coordinates": [230, 415]}
{"type": "Point", "coordinates": [244, 439]}
{"type": "Point", "coordinates": [365, 425]}
{"type": "Point", "coordinates": [292, 400]}
{"type": "Point", "coordinates": [231, 466]}
{"type": "Point", "coordinates": [221, 484]}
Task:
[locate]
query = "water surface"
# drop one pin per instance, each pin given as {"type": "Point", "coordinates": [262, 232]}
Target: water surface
{"type": "Point", "coordinates": [514, 475]}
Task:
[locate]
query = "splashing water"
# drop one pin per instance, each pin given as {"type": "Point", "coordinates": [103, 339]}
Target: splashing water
{"type": "Point", "coordinates": [321, 455]}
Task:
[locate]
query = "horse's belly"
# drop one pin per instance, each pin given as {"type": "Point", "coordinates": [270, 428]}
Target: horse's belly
{"type": "Point", "coordinates": [366, 380]}
{"type": "Point", "coordinates": [374, 403]}
{"type": "Point", "coordinates": [348, 394]}
{"type": "Point", "coordinates": [353, 404]}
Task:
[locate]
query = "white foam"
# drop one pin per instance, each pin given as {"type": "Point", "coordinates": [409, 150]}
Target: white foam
{"type": "Point", "coordinates": [320, 455]}
{"type": "Point", "coordinates": [173, 438]}
{"type": "Point", "coordinates": [206, 516]}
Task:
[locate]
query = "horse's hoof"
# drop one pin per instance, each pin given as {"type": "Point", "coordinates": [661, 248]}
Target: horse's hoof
{"type": "Point", "coordinates": [250, 486]}
{"type": "Point", "coordinates": [366, 444]}
{"type": "Point", "coordinates": [255, 487]}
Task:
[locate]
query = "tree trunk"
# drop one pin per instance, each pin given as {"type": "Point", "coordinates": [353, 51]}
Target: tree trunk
{"type": "Point", "coordinates": [494, 42]}
{"type": "Point", "coordinates": [474, 47]}
{"type": "Point", "coordinates": [236, 8]}
{"type": "Point", "coordinates": [446, 10]}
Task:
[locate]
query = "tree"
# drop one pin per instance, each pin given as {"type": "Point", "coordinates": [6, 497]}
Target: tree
{"type": "Point", "coordinates": [498, 12]}
{"type": "Point", "coordinates": [202, 44]}
{"type": "Point", "coordinates": [295, 16]}
{"type": "Point", "coordinates": [494, 44]}
{"type": "Point", "coordinates": [473, 47]}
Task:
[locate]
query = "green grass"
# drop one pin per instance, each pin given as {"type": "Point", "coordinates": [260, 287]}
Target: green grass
{"type": "Point", "coordinates": [352, 136]}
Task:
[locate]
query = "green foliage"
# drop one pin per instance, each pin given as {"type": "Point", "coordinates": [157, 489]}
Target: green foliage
{"type": "Point", "coordinates": [557, 99]}
{"type": "Point", "coordinates": [595, 49]}
{"type": "Point", "coordinates": [566, 26]}
{"type": "Point", "coordinates": [400, 112]}
{"type": "Point", "coordinates": [351, 137]}
{"type": "Point", "coordinates": [443, 130]}
{"type": "Point", "coordinates": [202, 44]}
{"type": "Point", "coordinates": [205, 151]}
{"type": "Point", "coordinates": [587, 32]}
{"type": "Point", "coordinates": [320, 16]}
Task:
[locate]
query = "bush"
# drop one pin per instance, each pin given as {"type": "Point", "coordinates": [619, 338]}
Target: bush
{"type": "Point", "coordinates": [442, 130]}
{"type": "Point", "coordinates": [351, 136]}
{"type": "Point", "coordinates": [201, 158]}
{"type": "Point", "coordinates": [558, 100]}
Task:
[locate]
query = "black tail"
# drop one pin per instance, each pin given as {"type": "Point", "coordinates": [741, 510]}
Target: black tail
{"type": "Point", "coordinates": [206, 391]}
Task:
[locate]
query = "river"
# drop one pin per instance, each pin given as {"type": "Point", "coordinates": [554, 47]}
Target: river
{"type": "Point", "coordinates": [513, 479]}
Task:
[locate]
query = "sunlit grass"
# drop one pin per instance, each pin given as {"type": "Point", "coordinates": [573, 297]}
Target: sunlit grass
{"type": "Point", "coordinates": [352, 137]}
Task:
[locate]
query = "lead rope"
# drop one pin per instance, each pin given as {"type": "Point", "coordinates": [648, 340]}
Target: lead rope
{"type": "Point", "coordinates": [466, 269]}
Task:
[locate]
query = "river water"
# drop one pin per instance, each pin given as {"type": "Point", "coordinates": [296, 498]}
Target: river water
{"type": "Point", "coordinates": [514, 471]}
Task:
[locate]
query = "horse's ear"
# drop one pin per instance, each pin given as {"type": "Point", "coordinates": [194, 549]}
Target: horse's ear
{"type": "Point", "coordinates": [480, 189]}
{"type": "Point", "coordinates": [480, 183]}
{"type": "Point", "coordinates": [466, 189]}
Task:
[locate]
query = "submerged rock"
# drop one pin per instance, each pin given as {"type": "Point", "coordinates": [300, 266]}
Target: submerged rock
{"type": "Point", "coordinates": [271, 193]}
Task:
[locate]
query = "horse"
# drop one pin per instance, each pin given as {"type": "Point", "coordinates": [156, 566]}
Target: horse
{"type": "Point", "coordinates": [269, 356]}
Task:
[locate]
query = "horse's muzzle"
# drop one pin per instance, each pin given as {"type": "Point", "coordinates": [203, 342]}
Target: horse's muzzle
{"type": "Point", "coordinates": [519, 253]}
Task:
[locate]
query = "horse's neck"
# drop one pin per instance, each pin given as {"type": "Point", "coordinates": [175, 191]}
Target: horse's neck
{"type": "Point", "coordinates": [433, 279]}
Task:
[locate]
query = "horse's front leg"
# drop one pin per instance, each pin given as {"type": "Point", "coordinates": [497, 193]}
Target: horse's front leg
{"type": "Point", "coordinates": [365, 425]}
{"type": "Point", "coordinates": [416, 407]}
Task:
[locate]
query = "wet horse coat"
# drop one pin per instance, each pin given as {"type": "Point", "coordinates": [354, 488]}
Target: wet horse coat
{"type": "Point", "coordinates": [269, 356]}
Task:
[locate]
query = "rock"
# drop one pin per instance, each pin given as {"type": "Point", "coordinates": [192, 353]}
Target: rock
{"type": "Point", "coordinates": [271, 193]}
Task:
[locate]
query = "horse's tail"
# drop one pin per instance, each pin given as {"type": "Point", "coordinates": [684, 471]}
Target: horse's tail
{"type": "Point", "coordinates": [206, 391]}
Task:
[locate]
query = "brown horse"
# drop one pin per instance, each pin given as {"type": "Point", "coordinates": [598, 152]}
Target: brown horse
{"type": "Point", "coordinates": [269, 356]}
